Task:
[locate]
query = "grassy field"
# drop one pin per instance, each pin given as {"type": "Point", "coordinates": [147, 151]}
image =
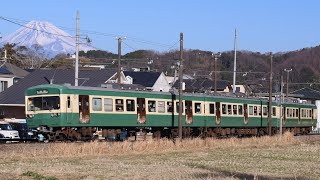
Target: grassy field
{"type": "Point", "coordinates": [251, 158]}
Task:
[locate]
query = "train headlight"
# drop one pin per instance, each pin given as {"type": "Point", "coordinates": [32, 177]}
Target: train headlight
{"type": "Point", "coordinates": [55, 114]}
{"type": "Point", "coordinates": [30, 116]}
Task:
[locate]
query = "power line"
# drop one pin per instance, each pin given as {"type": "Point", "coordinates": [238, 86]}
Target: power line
{"type": "Point", "coordinates": [35, 28]}
{"type": "Point", "coordinates": [139, 40]}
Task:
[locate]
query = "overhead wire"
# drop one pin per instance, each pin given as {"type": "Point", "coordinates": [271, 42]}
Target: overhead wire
{"type": "Point", "coordinates": [134, 39]}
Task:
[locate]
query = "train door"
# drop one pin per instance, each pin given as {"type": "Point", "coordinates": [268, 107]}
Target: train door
{"type": "Point", "coordinates": [218, 113]}
{"type": "Point", "coordinates": [84, 114]}
{"type": "Point", "coordinates": [245, 113]}
{"type": "Point", "coordinates": [141, 111]}
{"type": "Point", "coordinates": [189, 115]}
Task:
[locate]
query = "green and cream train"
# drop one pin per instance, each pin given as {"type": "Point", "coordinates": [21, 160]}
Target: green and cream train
{"type": "Point", "coordinates": [81, 113]}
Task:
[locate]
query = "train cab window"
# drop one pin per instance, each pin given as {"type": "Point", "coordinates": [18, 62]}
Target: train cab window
{"type": "Point", "coordinates": [211, 108]}
{"type": "Point", "coordinates": [130, 104]}
{"type": "Point", "coordinates": [108, 104]}
{"type": "Point", "coordinates": [274, 111]}
{"type": "Point", "coordinates": [169, 107]}
{"type": "Point", "coordinates": [307, 113]}
{"type": "Point", "coordinates": [96, 104]}
{"type": "Point", "coordinates": [197, 108]}
{"type": "Point", "coordinates": [234, 108]}
{"type": "Point", "coordinates": [68, 101]}
{"type": "Point", "coordinates": [177, 107]}
{"type": "Point", "coordinates": [161, 107]}
{"type": "Point", "coordinates": [265, 111]}
{"type": "Point", "coordinates": [224, 109]}
{"type": "Point", "coordinates": [240, 109]}
{"type": "Point", "coordinates": [250, 110]}
{"type": "Point", "coordinates": [255, 110]}
{"type": "Point", "coordinates": [152, 106]}
{"type": "Point", "coordinates": [119, 104]}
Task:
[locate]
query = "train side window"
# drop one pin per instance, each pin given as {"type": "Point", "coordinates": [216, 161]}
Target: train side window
{"type": "Point", "coordinates": [130, 104]}
{"type": "Point", "coordinates": [234, 108]}
{"type": "Point", "coordinates": [119, 104]}
{"type": "Point", "coordinates": [297, 112]}
{"type": "Point", "coordinates": [310, 113]}
{"type": "Point", "coordinates": [224, 109]}
{"type": "Point", "coordinates": [229, 109]}
{"type": "Point", "coordinates": [161, 106]}
{"type": "Point", "coordinates": [288, 112]}
{"type": "Point", "coordinates": [68, 101]}
{"type": "Point", "coordinates": [250, 110]}
{"type": "Point", "coordinates": [259, 110]}
{"type": "Point", "coordinates": [108, 104]}
{"type": "Point", "coordinates": [293, 113]}
{"type": "Point", "coordinates": [240, 109]}
{"type": "Point", "coordinates": [211, 108]}
{"type": "Point", "coordinates": [255, 110]}
{"type": "Point", "coordinates": [197, 108]}
{"type": "Point", "coordinates": [169, 107]}
{"type": "Point", "coordinates": [177, 107]}
{"type": "Point", "coordinates": [96, 104]}
{"type": "Point", "coordinates": [152, 106]}
{"type": "Point", "coordinates": [274, 111]}
{"type": "Point", "coordinates": [265, 111]}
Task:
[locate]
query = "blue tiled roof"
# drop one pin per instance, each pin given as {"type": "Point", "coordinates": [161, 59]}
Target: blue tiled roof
{"type": "Point", "coordinates": [146, 79]}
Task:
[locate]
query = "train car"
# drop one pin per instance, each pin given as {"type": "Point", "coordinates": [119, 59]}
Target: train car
{"type": "Point", "coordinates": [78, 113]}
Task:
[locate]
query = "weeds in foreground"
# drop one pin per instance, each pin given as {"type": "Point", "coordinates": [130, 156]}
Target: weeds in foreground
{"type": "Point", "coordinates": [37, 176]}
{"type": "Point", "coordinates": [150, 146]}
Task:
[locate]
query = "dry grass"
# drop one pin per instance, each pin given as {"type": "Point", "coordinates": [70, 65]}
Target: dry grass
{"type": "Point", "coordinates": [150, 146]}
{"type": "Point", "coordinates": [247, 158]}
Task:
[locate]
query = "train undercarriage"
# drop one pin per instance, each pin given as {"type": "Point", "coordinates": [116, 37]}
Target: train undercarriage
{"type": "Point", "coordinates": [120, 134]}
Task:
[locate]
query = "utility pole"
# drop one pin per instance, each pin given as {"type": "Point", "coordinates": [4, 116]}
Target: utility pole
{"type": "Point", "coordinates": [180, 87]}
{"type": "Point", "coordinates": [281, 100]}
{"type": "Point", "coordinates": [216, 57]}
{"type": "Point", "coordinates": [287, 91]}
{"type": "Point", "coordinates": [235, 61]}
{"type": "Point", "coordinates": [76, 76]}
{"type": "Point", "coordinates": [119, 59]}
{"type": "Point", "coordinates": [270, 98]}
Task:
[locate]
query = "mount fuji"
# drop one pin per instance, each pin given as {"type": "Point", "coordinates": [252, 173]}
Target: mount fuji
{"type": "Point", "coordinates": [52, 39]}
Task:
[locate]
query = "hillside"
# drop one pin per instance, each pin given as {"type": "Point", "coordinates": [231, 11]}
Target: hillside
{"type": "Point", "coordinates": [304, 64]}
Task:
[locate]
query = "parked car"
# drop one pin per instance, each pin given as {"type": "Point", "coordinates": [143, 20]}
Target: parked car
{"type": "Point", "coordinates": [23, 129]}
{"type": "Point", "coordinates": [7, 133]}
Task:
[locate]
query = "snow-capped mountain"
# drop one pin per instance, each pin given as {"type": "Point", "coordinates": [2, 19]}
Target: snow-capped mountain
{"type": "Point", "coordinates": [53, 40]}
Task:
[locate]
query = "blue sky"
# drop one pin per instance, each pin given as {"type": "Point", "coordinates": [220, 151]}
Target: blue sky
{"type": "Point", "coordinates": [263, 26]}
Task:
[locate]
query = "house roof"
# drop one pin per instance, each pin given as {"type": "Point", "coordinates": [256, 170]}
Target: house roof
{"type": "Point", "coordinates": [202, 84]}
{"type": "Point", "coordinates": [147, 79]}
{"type": "Point", "coordinates": [307, 93]}
{"type": "Point", "coordinates": [14, 70]}
{"type": "Point", "coordinates": [15, 93]}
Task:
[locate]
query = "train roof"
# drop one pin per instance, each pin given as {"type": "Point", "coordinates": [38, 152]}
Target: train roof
{"type": "Point", "coordinates": [67, 89]}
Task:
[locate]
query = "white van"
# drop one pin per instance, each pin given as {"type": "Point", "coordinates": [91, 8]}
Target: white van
{"type": "Point", "coordinates": [6, 131]}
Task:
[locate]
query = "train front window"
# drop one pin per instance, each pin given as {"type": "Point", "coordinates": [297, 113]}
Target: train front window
{"type": "Point", "coordinates": [44, 103]}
